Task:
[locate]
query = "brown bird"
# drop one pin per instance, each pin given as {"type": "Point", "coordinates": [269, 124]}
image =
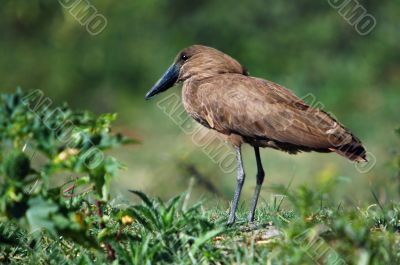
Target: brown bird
{"type": "Point", "coordinates": [219, 94]}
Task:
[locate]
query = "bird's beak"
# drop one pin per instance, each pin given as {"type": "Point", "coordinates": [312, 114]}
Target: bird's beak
{"type": "Point", "coordinates": [166, 81]}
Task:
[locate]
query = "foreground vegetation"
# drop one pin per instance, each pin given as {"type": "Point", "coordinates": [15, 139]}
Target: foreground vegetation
{"type": "Point", "coordinates": [55, 207]}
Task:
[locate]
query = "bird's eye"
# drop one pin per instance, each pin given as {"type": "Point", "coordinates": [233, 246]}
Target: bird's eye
{"type": "Point", "coordinates": [184, 57]}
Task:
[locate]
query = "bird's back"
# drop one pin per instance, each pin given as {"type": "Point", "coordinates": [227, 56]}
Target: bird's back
{"type": "Point", "coordinates": [267, 115]}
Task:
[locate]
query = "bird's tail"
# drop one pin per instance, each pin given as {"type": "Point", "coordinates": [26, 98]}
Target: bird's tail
{"type": "Point", "coordinates": [354, 150]}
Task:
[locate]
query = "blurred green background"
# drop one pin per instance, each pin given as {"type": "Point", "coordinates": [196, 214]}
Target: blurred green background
{"type": "Point", "coordinates": [305, 45]}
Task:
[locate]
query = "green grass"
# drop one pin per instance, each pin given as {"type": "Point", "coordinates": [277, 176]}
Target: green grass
{"type": "Point", "coordinates": [308, 230]}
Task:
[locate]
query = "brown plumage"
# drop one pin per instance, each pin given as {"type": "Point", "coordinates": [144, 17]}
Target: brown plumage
{"type": "Point", "coordinates": [219, 94]}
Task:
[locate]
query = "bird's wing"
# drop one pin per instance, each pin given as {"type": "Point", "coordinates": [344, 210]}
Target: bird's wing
{"type": "Point", "coordinates": [257, 108]}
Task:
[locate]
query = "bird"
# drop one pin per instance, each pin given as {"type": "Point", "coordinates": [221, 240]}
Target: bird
{"type": "Point", "coordinates": [219, 93]}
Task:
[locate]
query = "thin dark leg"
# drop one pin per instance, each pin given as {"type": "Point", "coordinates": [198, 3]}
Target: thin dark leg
{"type": "Point", "coordinates": [260, 179]}
{"type": "Point", "coordinates": [239, 184]}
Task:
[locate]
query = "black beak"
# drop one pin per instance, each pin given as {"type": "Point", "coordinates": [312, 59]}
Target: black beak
{"type": "Point", "coordinates": [166, 81]}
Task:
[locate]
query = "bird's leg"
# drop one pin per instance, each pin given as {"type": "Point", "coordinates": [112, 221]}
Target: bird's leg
{"type": "Point", "coordinates": [260, 179]}
{"type": "Point", "coordinates": [239, 184]}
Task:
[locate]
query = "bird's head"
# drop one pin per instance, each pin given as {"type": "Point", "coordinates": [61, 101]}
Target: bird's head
{"type": "Point", "coordinates": [196, 62]}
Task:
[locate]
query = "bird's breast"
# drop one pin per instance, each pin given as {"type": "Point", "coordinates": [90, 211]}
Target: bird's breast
{"type": "Point", "coordinates": [194, 107]}
{"type": "Point", "coordinates": [189, 97]}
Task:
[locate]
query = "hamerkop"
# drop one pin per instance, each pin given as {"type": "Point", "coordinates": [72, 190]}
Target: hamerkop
{"type": "Point", "coordinates": [219, 94]}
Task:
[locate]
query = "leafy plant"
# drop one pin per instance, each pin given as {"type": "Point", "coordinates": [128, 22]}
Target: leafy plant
{"type": "Point", "coordinates": [66, 142]}
{"type": "Point", "coordinates": [166, 232]}
{"type": "Point", "coordinates": [76, 222]}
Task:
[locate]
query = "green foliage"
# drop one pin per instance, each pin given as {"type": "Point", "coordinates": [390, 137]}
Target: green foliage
{"type": "Point", "coordinates": [17, 165]}
{"type": "Point", "coordinates": [351, 234]}
{"type": "Point", "coordinates": [169, 233]}
{"type": "Point", "coordinates": [62, 141]}
{"type": "Point", "coordinates": [319, 233]}
{"type": "Point", "coordinates": [53, 224]}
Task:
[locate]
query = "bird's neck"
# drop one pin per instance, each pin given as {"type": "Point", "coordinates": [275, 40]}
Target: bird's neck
{"type": "Point", "coordinates": [189, 93]}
